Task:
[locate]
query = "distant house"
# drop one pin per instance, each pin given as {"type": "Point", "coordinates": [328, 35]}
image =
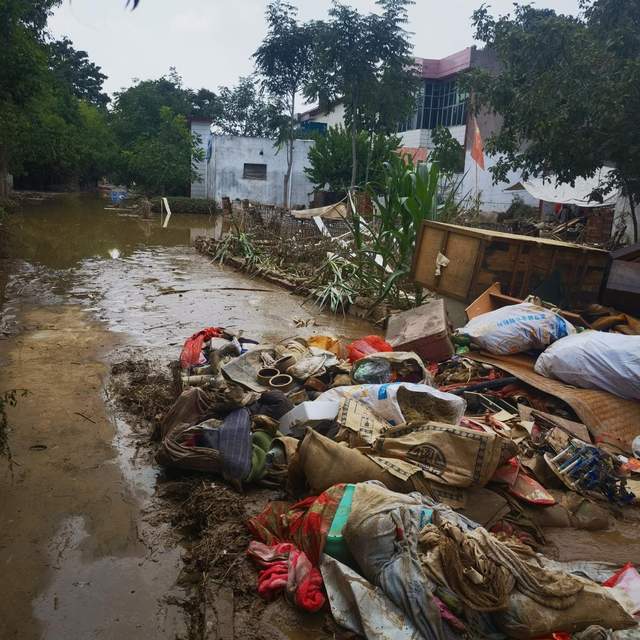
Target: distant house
{"type": "Point", "coordinates": [441, 102]}
{"type": "Point", "coordinates": [241, 167]}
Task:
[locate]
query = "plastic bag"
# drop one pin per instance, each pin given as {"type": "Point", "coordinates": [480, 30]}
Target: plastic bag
{"type": "Point", "coordinates": [371, 371]}
{"type": "Point", "coordinates": [404, 366]}
{"type": "Point", "coordinates": [516, 328]}
{"type": "Point", "coordinates": [192, 349]}
{"type": "Point", "coordinates": [366, 346]}
{"type": "Point", "coordinates": [595, 360]}
{"type": "Point", "coordinates": [627, 580]}
{"type": "Point", "coordinates": [424, 402]}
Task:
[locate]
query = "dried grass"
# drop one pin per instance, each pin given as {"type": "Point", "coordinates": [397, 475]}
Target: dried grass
{"type": "Point", "coordinates": [143, 391]}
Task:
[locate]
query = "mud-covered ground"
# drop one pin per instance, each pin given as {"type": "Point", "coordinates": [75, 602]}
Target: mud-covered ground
{"type": "Point", "coordinates": [95, 540]}
{"type": "Point", "coordinates": [207, 519]}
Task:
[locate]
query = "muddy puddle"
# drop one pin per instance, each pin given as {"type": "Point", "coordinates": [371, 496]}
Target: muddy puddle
{"type": "Point", "coordinates": [83, 551]}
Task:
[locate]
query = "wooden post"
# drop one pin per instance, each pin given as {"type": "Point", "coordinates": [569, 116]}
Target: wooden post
{"type": "Point", "coordinates": [166, 220]}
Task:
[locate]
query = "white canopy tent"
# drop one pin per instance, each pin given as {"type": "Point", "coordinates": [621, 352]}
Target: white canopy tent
{"type": "Point", "coordinates": [547, 190]}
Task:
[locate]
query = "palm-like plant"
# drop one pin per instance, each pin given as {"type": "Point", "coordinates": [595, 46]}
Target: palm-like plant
{"type": "Point", "coordinates": [384, 242]}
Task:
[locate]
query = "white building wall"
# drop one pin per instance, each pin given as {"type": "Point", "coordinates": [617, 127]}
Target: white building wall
{"type": "Point", "coordinates": [333, 118]}
{"type": "Point", "coordinates": [422, 137]}
{"type": "Point", "coordinates": [493, 197]}
{"type": "Point", "coordinates": [199, 189]}
{"type": "Point", "coordinates": [226, 169]}
{"type": "Point", "coordinates": [622, 216]}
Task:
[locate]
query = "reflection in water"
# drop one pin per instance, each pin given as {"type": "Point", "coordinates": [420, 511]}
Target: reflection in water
{"type": "Point", "coordinates": [145, 281]}
{"type": "Point", "coordinates": [64, 230]}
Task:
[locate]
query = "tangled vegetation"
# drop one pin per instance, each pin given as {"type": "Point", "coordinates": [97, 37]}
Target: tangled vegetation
{"type": "Point", "coordinates": [366, 256]}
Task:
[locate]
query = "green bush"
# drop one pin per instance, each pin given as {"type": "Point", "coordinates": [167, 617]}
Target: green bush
{"type": "Point", "coordinates": [186, 205]}
{"type": "Point", "coordinates": [330, 158]}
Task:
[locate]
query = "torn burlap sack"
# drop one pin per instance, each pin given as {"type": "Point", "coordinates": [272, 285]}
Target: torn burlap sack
{"type": "Point", "coordinates": [446, 454]}
{"type": "Point", "coordinates": [320, 463]}
{"type": "Point", "coordinates": [451, 455]}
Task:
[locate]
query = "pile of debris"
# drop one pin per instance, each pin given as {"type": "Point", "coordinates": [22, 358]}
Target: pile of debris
{"type": "Point", "coordinates": [422, 469]}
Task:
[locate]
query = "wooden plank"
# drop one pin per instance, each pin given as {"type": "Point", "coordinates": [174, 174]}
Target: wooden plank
{"type": "Point", "coordinates": [500, 235]}
{"type": "Point", "coordinates": [483, 303]}
{"type": "Point", "coordinates": [426, 254]}
{"type": "Point", "coordinates": [512, 284]}
{"type": "Point", "coordinates": [476, 268]}
{"type": "Point", "coordinates": [443, 251]}
{"type": "Point", "coordinates": [462, 252]}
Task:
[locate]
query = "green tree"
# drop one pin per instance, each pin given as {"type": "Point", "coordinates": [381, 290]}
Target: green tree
{"type": "Point", "coordinates": [204, 104]}
{"type": "Point", "coordinates": [283, 61]}
{"type": "Point", "coordinates": [330, 159]}
{"type": "Point", "coordinates": [23, 62]}
{"type": "Point", "coordinates": [98, 154]}
{"type": "Point", "coordinates": [364, 61]}
{"type": "Point", "coordinates": [73, 68]}
{"type": "Point", "coordinates": [568, 92]}
{"type": "Point", "coordinates": [151, 116]}
{"type": "Point", "coordinates": [245, 112]}
{"type": "Point", "coordinates": [447, 152]}
{"type": "Point", "coordinates": [164, 162]}
{"type": "Point", "coordinates": [136, 110]}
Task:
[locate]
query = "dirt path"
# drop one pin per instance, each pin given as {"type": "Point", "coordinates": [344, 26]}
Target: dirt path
{"type": "Point", "coordinates": [73, 541]}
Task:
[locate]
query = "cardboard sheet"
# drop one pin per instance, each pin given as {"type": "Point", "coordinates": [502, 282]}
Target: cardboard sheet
{"type": "Point", "coordinates": [600, 411]}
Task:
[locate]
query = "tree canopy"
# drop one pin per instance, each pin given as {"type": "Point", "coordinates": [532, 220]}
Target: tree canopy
{"type": "Point", "coordinates": [364, 61]}
{"type": "Point", "coordinates": [283, 61]}
{"type": "Point", "coordinates": [150, 122]}
{"type": "Point", "coordinates": [73, 68]}
{"type": "Point", "coordinates": [164, 163]}
{"type": "Point", "coordinates": [244, 111]}
{"type": "Point", "coordinates": [330, 158]}
{"type": "Point", "coordinates": [568, 92]}
{"type": "Point", "coordinates": [49, 94]}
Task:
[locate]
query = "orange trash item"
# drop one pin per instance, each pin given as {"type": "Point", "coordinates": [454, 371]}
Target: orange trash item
{"type": "Point", "coordinates": [367, 346]}
{"type": "Point", "coordinates": [327, 343]}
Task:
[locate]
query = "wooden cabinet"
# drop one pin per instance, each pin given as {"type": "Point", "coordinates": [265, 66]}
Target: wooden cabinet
{"type": "Point", "coordinates": [570, 273]}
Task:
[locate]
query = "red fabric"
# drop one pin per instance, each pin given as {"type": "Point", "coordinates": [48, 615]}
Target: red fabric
{"type": "Point", "coordinates": [309, 595]}
{"type": "Point", "coordinates": [367, 346]}
{"type": "Point", "coordinates": [477, 145]}
{"type": "Point", "coordinates": [305, 523]}
{"type": "Point", "coordinates": [292, 538]}
{"type": "Point", "coordinates": [190, 355]}
{"type": "Point", "coordinates": [273, 580]}
{"type": "Point", "coordinates": [264, 555]}
{"type": "Point", "coordinates": [288, 569]}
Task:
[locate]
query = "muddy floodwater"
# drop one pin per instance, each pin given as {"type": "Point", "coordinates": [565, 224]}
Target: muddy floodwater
{"type": "Point", "coordinates": [81, 552]}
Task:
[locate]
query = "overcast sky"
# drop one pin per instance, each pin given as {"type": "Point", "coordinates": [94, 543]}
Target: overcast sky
{"type": "Point", "coordinates": [210, 42]}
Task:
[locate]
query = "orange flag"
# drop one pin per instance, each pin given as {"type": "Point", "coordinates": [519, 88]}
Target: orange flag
{"type": "Point", "coordinates": [477, 148]}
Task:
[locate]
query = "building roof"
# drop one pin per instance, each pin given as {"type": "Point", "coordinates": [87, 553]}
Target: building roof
{"type": "Point", "coordinates": [434, 69]}
{"type": "Point", "coordinates": [428, 68]}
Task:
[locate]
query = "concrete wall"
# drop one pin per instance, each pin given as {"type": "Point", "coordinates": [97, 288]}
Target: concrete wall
{"type": "Point", "coordinates": [201, 128]}
{"type": "Point", "coordinates": [226, 168]}
{"type": "Point", "coordinates": [493, 197]}
{"type": "Point", "coordinates": [422, 137]}
{"type": "Point", "coordinates": [622, 216]}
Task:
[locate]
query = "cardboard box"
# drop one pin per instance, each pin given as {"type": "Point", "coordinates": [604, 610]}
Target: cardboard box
{"type": "Point", "coordinates": [424, 330]}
